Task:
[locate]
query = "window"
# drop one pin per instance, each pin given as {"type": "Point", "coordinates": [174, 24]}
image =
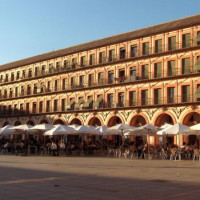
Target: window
{"type": "Point", "coordinates": [6, 79]}
{"type": "Point", "coordinates": [132, 98]}
{"type": "Point", "coordinates": [10, 109]}
{"type": "Point", "coordinates": [64, 84]}
{"type": "Point", "coordinates": [49, 86]}
{"type": "Point", "coordinates": [197, 65]}
{"type": "Point", "coordinates": [171, 68]}
{"type": "Point", "coordinates": [185, 65]}
{"type": "Point", "coordinates": [11, 93]}
{"type": "Point", "coordinates": [121, 101]}
{"type": "Point", "coordinates": [4, 110]}
{"type": "Point", "coordinates": [16, 92]}
{"type": "Point", "coordinates": [145, 71]}
{"type": "Point", "coordinates": [72, 103]}
{"type": "Point", "coordinates": [63, 104]}
{"type": "Point", "coordinates": [197, 93]}
{"type": "Point", "coordinates": [35, 88]}
{"type": "Point", "coordinates": [144, 97]}
{"type": "Point", "coordinates": [24, 73]}
{"type": "Point", "coordinates": [5, 93]}
{"type": "Point", "coordinates": [157, 96]}
{"type": "Point", "coordinates": [58, 66]}
{"type": "Point", "coordinates": [18, 75]}
{"type": "Point", "coordinates": [172, 43]}
{"type": "Point", "coordinates": [34, 107]}
{"type": "Point", "coordinates": [48, 106]}
{"type": "Point", "coordinates": [22, 90]}
{"type": "Point", "coordinates": [15, 108]}
{"type": "Point", "coordinates": [122, 53]}
{"type": "Point", "coordinates": [111, 55]}
{"type": "Point", "coordinates": [41, 106]}
{"type": "Point", "coordinates": [12, 76]}
{"type": "Point", "coordinates": [186, 40]}
{"type": "Point", "coordinates": [110, 100]}
{"type": "Point", "coordinates": [29, 90]}
{"type": "Point", "coordinates": [74, 63]}
{"type": "Point", "coordinates": [158, 46]}
{"type": "Point", "coordinates": [36, 71]}
{"type": "Point", "coordinates": [43, 69]}
{"type": "Point", "coordinates": [170, 92]}
{"type": "Point", "coordinates": [82, 81]}
{"type": "Point", "coordinates": [83, 61]}
{"type": "Point", "coordinates": [21, 107]}
{"type": "Point", "coordinates": [145, 49]}
{"type": "Point", "coordinates": [30, 73]}
{"type": "Point", "coordinates": [102, 57]}
{"type": "Point", "coordinates": [198, 38]}
{"type": "Point", "coordinates": [27, 107]}
{"type": "Point", "coordinates": [92, 59]}
{"type": "Point", "coordinates": [91, 80]}
{"type": "Point", "coordinates": [122, 75]}
{"type": "Point", "coordinates": [73, 82]}
{"type": "Point", "coordinates": [55, 108]}
{"type": "Point", "coordinates": [100, 78]}
{"type": "Point", "coordinates": [157, 70]}
{"type": "Point", "coordinates": [56, 85]}
{"type": "Point", "coordinates": [185, 93]}
{"type": "Point", "coordinates": [133, 73]}
{"type": "Point", "coordinates": [110, 77]}
{"type": "Point", "coordinates": [51, 68]}
{"type": "Point", "coordinates": [66, 64]}
{"type": "Point", "coordinates": [133, 50]}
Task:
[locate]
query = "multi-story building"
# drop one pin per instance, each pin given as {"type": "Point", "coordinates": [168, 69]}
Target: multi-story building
{"type": "Point", "coordinates": [151, 75]}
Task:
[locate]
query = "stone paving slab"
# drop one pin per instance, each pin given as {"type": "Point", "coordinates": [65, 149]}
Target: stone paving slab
{"type": "Point", "coordinates": [85, 178]}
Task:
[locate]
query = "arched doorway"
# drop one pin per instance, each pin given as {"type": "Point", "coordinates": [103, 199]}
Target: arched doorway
{"type": "Point", "coordinates": [76, 121]}
{"type": "Point", "coordinates": [162, 119]}
{"type": "Point", "coordinates": [137, 121]}
{"type": "Point", "coordinates": [5, 124]}
{"type": "Point", "coordinates": [114, 120]}
{"type": "Point", "coordinates": [17, 123]}
{"type": "Point", "coordinates": [44, 121]}
{"type": "Point", "coordinates": [189, 120]}
{"type": "Point", "coordinates": [116, 139]}
{"type": "Point", "coordinates": [94, 122]}
{"type": "Point", "coordinates": [59, 121]}
{"type": "Point", "coordinates": [30, 122]}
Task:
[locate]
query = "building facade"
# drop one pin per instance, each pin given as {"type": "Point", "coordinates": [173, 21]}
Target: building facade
{"type": "Point", "coordinates": [151, 75]}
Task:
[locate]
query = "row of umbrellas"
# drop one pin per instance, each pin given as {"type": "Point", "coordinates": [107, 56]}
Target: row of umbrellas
{"type": "Point", "coordinates": [119, 129]}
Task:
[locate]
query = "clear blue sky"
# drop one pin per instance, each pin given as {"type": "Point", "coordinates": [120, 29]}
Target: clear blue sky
{"type": "Point", "coordinates": [32, 27]}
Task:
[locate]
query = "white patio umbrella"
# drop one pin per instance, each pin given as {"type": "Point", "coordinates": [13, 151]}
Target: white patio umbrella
{"type": "Point", "coordinates": [23, 128]}
{"type": "Point", "coordinates": [193, 130]}
{"type": "Point", "coordinates": [166, 125]}
{"type": "Point", "coordinates": [42, 127]}
{"type": "Point", "coordinates": [176, 129]}
{"type": "Point", "coordinates": [6, 130]}
{"type": "Point", "coordinates": [120, 128]}
{"type": "Point", "coordinates": [105, 130]}
{"type": "Point", "coordinates": [86, 130]}
{"type": "Point", "coordinates": [147, 129]}
{"type": "Point", "coordinates": [60, 130]}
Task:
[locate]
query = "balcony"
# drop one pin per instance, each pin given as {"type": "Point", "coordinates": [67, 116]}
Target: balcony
{"type": "Point", "coordinates": [102, 105]}
{"type": "Point", "coordinates": [106, 60]}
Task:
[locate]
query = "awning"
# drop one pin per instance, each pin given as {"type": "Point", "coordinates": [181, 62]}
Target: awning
{"type": "Point", "coordinates": [86, 105]}
{"type": "Point", "coordinates": [96, 103]}
{"type": "Point", "coordinates": [70, 103]}
{"type": "Point", "coordinates": [80, 101]}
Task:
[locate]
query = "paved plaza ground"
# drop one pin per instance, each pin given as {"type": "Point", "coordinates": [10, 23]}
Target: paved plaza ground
{"type": "Point", "coordinates": [85, 178]}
